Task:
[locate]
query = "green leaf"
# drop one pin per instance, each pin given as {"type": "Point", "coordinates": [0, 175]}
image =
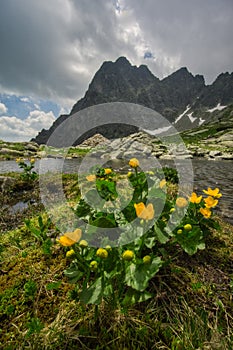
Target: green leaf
{"type": "Point", "coordinates": [138, 276]}
{"type": "Point", "coordinates": [82, 209]}
{"type": "Point", "coordinates": [130, 234]}
{"type": "Point", "coordinates": [73, 274]}
{"type": "Point", "coordinates": [191, 241]}
{"type": "Point", "coordinates": [157, 193]}
{"type": "Point", "coordinates": [105, 222]}
{"type": "Point", "coordinates": [93, 294]}
{"type": "Point", "coordinates": [53, 285]}
{"type": "Point", "coordinates": [150, 242]}
{"type": "Point", "coordinates": [133, 296]}
{"type": "Point", "coordinates": [162, 237]}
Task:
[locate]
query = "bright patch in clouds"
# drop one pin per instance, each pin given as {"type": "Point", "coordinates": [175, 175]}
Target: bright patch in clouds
{"type": "Point", "coordinates": [15, 129]}
{"type": "Point", "coordinates": [3, 108]}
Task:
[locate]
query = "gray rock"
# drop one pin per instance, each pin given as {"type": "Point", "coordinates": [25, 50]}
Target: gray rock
{"type": "Point", "coordinates": [213, 154]}
{"type": "Point", "coordinates": [11, 152]}
{"type": "Point", "coordinates": [227, 144]}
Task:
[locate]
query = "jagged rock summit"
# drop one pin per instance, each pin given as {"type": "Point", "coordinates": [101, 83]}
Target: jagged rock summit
{"type": "Point", "coordinates": [182, 98]}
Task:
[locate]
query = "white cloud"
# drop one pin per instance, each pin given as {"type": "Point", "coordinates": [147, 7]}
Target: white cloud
{"type": "Point", "coordinates": [3, 108]}
{"type": "Point", "coordinates": [25, 99]}
{"type": "Point", "coordinates": [15, 129]}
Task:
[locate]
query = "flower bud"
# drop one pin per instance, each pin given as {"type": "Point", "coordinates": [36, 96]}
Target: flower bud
{"type": "Point", "coordinates": [128, 255]}
{"type": "Point", "coordinates": [188, 227]}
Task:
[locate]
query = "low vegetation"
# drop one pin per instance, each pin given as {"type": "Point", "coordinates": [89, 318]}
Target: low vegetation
{"type": "Point", "coordinates": [157, 289]}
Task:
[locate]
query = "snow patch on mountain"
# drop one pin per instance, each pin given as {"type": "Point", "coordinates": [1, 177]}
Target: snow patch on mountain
{"type": "Point", "coordinates": [216, 108]}
{"type": "Point", "coordinates": [201, 121]}
{"type": "Point", "coordinates": [192, 119]}
{"type": "Point", "coordinates": [157, 131]}
{"type": "Point", "coordinates": [182, 114]}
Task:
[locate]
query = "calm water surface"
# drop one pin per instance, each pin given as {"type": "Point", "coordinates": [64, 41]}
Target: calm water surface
{"type": "Point", "coordinates": [206, 174]}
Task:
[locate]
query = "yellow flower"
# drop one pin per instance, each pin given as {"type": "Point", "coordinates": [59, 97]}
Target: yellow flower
{"type": "Point", "coordinates": [32, 160]}
{"type": "Point", "coordinates": [181, 202]}
{"type": "Point", "coordinates": [93, 265]}
{"type": "Point", "coordinates": [129, 174]}
{"type": "Point", "coordinates": [188, 227]}
{"type": "Point", "coordinates": [134, 163]}
{"type": "Point", "coordinates": [107, 171]}
{"type": "Point", "coordinates": [83, 243]}
{"type": "Point", "coordinates": [179, 231]}
{"type": "Point", "coordinates": [172, 210]}
{"type": "Point", "coordinates": [146, 259]}
{"type": "Point", "coordinates": [91, 178]}
{"type": "Point", "coordinates": [128, 255]}
{"type": "Point", "coordinates": [162, 183]}
{"type": "Point", "coordinates": [108, 247]}
{"type": "Point", "coordinates": [195, 199]}
{"type": "Point", "coordinates": [206, 212]}
{"type": "Point", "coordinates": [102, 253]}
{"type": "Point", "coordinates": [213, 193]}
{"type": "Point", "coordinates": [70, 238]}
{"type": "Point", "coordinates": [18, 160]}
{"type": "Point", "coordinates": [144, 212]}
{"type": "Point", "coordinates": [70, 253]}
{"type": "Point", "coordinates": [210, 202]}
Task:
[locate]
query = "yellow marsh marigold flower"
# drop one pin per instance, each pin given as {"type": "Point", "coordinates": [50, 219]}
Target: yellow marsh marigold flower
{"type": "Point", "coordinates": [179, 231]}
{"type": "Point", "coordinates": [129, 174]}
{"type": "Point", "coordinates": [162, 183]}
{"type": "Point", "coordinates": [172, 210]}
{"type": "Point", "coordinates": [102, 253]}
{"type": "Point", "coordinates": [128, 255]}
{"type": "Point", "coordinates": [144, 212]}
{"type": "Point", "coordinates": [213, 193]}
{"type": "Point", "coordinates": [18, 160]}
{"type": "Point", "coordinates": [107, 171]}
{"type": "Point", "coordinates": [134, 163]}
{"type": "Point", "coordinates": [146, 259]}
{"type": "Point", "coordinates": [32, 160]}
{"type": "Point", "coordinates": [91, 178]}
{"type": "Point", "coordinates": [188, 227]}
{"type": "Point", "coordinates": [195, 199]}
{"type": "Point", "coordinates": [70, 238]}
{"type": "Point", "coordinates": [108, 247]}
{"type": "Point", "coordinates": [83, 243]}
{"type": "Point", "coordinates": [206, 212]}
{"type": "Point", "coordinates": [93, 265]}
{"type": "Point", "coordinates": [70, 253]}
{"type": "Point", "coordinates": [181, 202]}
{"type": "Point", "coordinates": [210, 202]}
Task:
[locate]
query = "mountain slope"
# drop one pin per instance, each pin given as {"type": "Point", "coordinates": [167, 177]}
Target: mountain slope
{"type": "Point", "coordinates": [182, 98]}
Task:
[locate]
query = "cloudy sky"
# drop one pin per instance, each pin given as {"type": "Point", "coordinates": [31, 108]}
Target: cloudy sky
{"type": "Point", "coordinates": [50, 49]}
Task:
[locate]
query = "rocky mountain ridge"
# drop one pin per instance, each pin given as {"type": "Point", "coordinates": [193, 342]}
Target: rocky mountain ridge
{"type": "Point", "coordinates": [181, 98]}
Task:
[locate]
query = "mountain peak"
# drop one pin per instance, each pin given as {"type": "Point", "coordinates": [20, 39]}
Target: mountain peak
{"type": "Point", "coordinates": [122, 60]}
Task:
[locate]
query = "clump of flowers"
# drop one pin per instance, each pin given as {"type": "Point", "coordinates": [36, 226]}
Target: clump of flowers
{"type": "Point", "coordinates": [120, 270]}
{"type": "Point", "coordinates": [27, 167]}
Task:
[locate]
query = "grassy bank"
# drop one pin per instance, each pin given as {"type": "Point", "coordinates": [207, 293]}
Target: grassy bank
{"type": "Point", "coordinates": [191, 307]}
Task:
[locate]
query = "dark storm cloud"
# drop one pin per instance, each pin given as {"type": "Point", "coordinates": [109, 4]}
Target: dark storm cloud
{"type": "Point", "coordinates": [197, 34]}
{"type": "Point", "coordinates": [53, 48]}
